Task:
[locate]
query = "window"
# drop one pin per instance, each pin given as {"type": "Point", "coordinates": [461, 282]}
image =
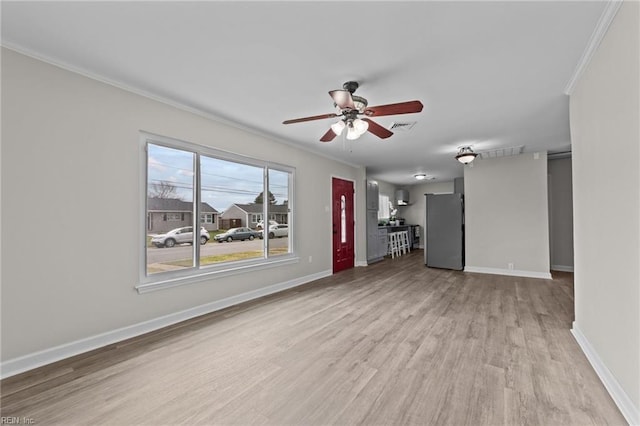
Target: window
{"type": "Point", "coordinates": [206, 218]}
{"type": "Point", "coordinates": [383, 207]}
{"type": "Point", "coordinates": [255, 218]}
{"type": "Point", "coordinates": [198, 178]}
{"type": "Point", "coordinates": [175, 217]}
{"type": "Point", "coordinates": [343, 219]}
{"type": "Point", "coordinates": [278, 211]}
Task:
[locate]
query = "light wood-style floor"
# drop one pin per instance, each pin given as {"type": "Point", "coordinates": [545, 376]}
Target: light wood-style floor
{"type": "Point", "coordinates": [393, 343]}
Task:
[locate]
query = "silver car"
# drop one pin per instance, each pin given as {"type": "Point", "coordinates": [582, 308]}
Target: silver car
{"type": "Point", "coordinates": [179, 236]}
{"type": "Point", "coordinates": [241, 234]}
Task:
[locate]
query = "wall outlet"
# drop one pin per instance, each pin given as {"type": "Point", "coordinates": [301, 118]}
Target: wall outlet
{"type": "Point", "coordinates": [510, 266]}
{"type": "Point", "coordinates": [310, 259]}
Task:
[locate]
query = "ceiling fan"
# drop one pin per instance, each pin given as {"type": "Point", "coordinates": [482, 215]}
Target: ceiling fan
{"type": "Point", "coordinates": [350, 107]}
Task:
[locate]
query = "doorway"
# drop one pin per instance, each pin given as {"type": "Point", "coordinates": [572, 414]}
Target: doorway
{"type": "Point", "coordinates": [560, 199]}
{"type": "Point", "coordinates": [343, 224]}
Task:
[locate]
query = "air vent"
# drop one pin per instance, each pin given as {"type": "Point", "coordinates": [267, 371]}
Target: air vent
{"type": "Point", "coordinates": [402, 126]}
{"type": "Point", "coordinates": [502, 152]}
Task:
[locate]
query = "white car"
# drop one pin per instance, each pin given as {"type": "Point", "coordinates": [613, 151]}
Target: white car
{"type": "Point", "coordinates": [276, 231]}
{"type": "Point", "coordinates": [179, 236]}
{"type": "Point", "coordinates": [260, 224]}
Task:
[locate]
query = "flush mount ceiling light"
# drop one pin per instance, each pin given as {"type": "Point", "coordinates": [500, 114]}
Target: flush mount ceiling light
{"type": "Point", "coordinates": [466, 155]}
{"type": "Point", "coordinates": [423, 176]}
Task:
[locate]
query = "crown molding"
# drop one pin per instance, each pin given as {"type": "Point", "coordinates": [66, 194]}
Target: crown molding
{"type": "Point", "coordinates": [170, 102]}
{"type": "Point", "coordinates": [598, 34]}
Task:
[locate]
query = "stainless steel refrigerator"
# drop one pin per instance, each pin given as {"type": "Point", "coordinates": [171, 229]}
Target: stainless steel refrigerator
{"type": "Point", "coordinates": [445, 231]}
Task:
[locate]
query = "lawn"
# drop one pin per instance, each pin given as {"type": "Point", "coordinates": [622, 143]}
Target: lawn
{"type": "Point", "coordinates": [230, 257]}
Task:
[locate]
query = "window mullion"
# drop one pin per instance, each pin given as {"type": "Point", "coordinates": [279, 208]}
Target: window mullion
{"type": "Point", "coordinates": [265, 212]}
{"type": "Point", "coordinates": [196, 210]}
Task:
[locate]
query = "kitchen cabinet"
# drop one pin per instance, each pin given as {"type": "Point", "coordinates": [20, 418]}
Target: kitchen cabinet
{"type": "Point", "coordinates": [372, 196]}
{"type": "Point", "coordinates": [374, 251]}
{"type": "Point", "coordinates": [376, 237]}
{"type": "Point", "coordinates": [382, 242]}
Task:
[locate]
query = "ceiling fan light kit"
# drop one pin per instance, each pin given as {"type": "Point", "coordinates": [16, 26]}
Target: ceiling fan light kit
{"type": "Point", "coordinates": [466, 155]}
{"type": "Point", "coordinates": [350, 106]}
{"type": "Point", "coordinates": [338, 127]}
{"type": "Point", "coordinates": [352, 134]}
{"type": "Point", "coordinates": [355, 127]}
{"type": "Point", "coordinates": [360, 126]}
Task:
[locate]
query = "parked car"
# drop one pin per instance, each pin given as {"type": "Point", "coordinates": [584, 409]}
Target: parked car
{"type": "Point", "coordinates": [179, 236]}
{"type": "Point", "coordinates": [260, 224]}
{"type": "Point", "coordinates": [237, 234]}
{"type": "Point", "coordinates": [276, 231]}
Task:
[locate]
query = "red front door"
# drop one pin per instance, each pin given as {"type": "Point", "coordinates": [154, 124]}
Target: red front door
{"type": "Point", "coordinates": [343, 224]}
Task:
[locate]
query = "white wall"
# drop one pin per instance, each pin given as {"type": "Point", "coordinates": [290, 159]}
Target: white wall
{"type": "Point", "coordinates": [605, 129]}
{"type": "Point", "coordinates": [506, 215]}
{"type": "Point", "coordinates": [70, 207]}
{"type": "Point", "coordinates": [560, 214]}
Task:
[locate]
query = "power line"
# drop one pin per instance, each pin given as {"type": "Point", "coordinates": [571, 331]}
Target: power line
{"type": "Point", "coordinates": [191, 172]}
{"type": "Point", "coordinates": [219, 189]}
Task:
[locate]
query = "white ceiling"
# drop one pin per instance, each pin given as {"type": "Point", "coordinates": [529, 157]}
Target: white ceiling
{"type": "Point", "coordinates": [490, 74]}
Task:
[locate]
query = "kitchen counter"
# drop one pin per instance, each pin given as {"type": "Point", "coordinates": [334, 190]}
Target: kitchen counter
{"type": "Point", "coordinates": [396, 228]}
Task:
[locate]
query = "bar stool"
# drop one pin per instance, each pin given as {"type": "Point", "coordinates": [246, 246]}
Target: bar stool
{"type": "Point", "coordinates": [393, 246]}
{"type": "Point", "coordinates": [403, 242]}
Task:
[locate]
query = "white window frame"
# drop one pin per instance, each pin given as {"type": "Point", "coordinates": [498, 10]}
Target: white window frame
{"type": "Point", "coordinates": [256, 217]}
{"type": "Point", "coordinates": [174, 217]}
{"type": "Point", "coordinates": [157, 281]}
{"type": "Point", "coordinates": [383, 207]}
{"type": "Point", "coordinates": [208, 218]}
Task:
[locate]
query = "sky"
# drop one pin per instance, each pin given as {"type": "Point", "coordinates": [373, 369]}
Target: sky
{"type": "Point", "coordinates": [223, 182]}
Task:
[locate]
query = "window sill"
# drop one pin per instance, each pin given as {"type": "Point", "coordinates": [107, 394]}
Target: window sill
{"type": "Point", "coordinates": [208, 274]}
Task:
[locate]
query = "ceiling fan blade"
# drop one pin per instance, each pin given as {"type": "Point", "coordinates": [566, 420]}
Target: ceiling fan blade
{"type": "Point", "coordinates": [392, 109]}
{"type": "Point", "coordinates": [315, 117]}
{"type": "Point", "coordinates": [342, 98]}
{"type": "Point", "coordinates": [328, 137]}
{"type": "Point", "coordinates": [377, 129]}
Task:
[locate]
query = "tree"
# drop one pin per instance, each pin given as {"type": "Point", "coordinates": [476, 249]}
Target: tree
{"type": "Point", "coordinates": [165, 190]}
{"type": "Point", "coordinates": [260, 198]}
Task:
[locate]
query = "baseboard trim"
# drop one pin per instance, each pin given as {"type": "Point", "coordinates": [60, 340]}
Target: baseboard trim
{"type": "Point", "coordinates": [360, 263]}
{"type": "Point", "coordinates": [630, 412]}
{"type": "Point", "coordinates": [509, 272]}
{"type": "Point", "coordinates": [47, 356]}
{"type": "Point", "coordinates": [562, 268]}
